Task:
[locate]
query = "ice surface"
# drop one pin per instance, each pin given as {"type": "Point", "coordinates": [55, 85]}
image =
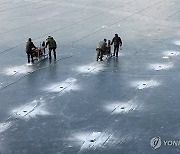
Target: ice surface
{"type": "Point", "coordinates": [145, 84]}
{"type": "Point", "coordinates": [122, 107]}
{"type": "Point", "coordinates": [93, 140]}
{"type": "Point", "coordinates": [162, 66]}
{"type": "Point", "coordinates": [65, 86]}
{"type": "Point", "coordinates": [75, 104]}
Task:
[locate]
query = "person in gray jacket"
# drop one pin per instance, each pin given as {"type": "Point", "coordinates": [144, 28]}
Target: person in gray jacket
{"type": "Point", "coordinates": [117, 42]}
{"type": "Point", "coordinates": [101, 49]}
{"type": "Point", "coordinates": [29, 46]}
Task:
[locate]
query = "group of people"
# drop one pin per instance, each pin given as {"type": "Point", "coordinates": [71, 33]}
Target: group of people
{"type": "Point", "coordinates": [104, 47]}
{"type": "Point", "coordinates": [50, 43]}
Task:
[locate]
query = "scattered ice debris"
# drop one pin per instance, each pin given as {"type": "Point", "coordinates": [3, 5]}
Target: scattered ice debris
{"type": "Point", "coordinates": [16, 70]}
{"type": "Point", "coordinates": [4, 126]}
{"type": "Point", "coordinates": [145, 84]}
{"type": "Point", "coordinates": [160, 66]}
{"type": "Point", "coordinates": [104, 26]}
{"type": "Point", "coordinates": [176, 42]}
{"type": "Point", "coordinates": [165, 57]}
{"type": "Point", "coordinates": [90, 68]}
{"type": "Point", "coordinates": [30, 110]}
{"type": "Point", "coordinates": [65, 86]}
{"type": "Point", "coordinates": [171, 53]}
{"type": "Point", "coordinates": [93, 140]}
{"type": "Point", "coordinates": [122, 107]}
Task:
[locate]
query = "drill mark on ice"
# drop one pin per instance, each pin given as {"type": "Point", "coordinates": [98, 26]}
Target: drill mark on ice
{"type": "Point", "coordinates": [145, 84]}
{"type": "Point", "coordinates": [93, 140]}
{"type": "Point", "coordinates": [30, 110]}
{"type": "Point", "coordinates": [17, 70]}
{"type": "Point", "coordinates": [158, 67]}
{"type": "Point", "coordinates": [122, 107]}
{"type": "Point", "coordinates": [90, 68]}
{"type": "Point", "coordinates": [171, 53]}
{"type": "Point", "coordinates": [65, 86]}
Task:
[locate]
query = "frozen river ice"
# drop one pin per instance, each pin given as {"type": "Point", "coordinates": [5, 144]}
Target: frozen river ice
{"type": "Point", "coordinates": [127, 105]}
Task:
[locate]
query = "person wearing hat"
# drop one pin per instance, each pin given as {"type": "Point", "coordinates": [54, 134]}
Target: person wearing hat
{"type": "Point", "coordinates": [101, 49]}
{"type": "Point", "coordinates": [51, 43]}
{"type": "Point", "coordinates": [117, 42]}
{"type": "Point", "coordinates": [29, 46]}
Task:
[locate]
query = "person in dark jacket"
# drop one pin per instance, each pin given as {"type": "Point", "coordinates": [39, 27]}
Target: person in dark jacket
{"type": "Point", "coordinates": [117, 42]}
{"type": "Point", "coordinates": [52, 46]}
{"type": "Point", "coordinates": [29, 46]}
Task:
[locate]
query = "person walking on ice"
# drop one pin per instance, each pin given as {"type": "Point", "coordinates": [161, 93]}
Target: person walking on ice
{"type": "Point", "coordinates": [29, 46]}
{"type": "Point", "coordinates": [101, 49]}
{"type": "Point", "coordinates": [52, 46]}
{"type": "Point", "coordinates": [117, 42]}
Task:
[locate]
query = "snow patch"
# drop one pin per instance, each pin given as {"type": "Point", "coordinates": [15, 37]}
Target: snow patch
{"type": "Point", "coordinates": [30, 110]}
{"type": "Point", "coordinates": [160, 66]}
{"type": "Point", "coordinates": [171, 53]}
{"type": "Point", "coordinates": [4, 126]}
{"type": "Point", "coordinates": [122, 107]}
{"type": "Point", "coordinates": [145, 84]}
{"type": "Point", "coordinates": [165, 57]}
{"type": "Point", "coordinates": [65, 86]}
{"type": "Point", "coordinates": [17, 70]}
{"type": "Point", "coordinates": [93, 140]}
{"type": "Point", "coordinates": [90, 68]}
{"type": "Point", "coordinates": [176, 42]}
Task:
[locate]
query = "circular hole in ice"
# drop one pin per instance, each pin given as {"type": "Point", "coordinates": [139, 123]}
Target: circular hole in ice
{"type": "Point", "coordinates": [122, 108]}
{"type": "Point", "coordinates": [144, 84]}
{"type": "Point", "coordinates": [172, 53]}
{"type": "Point", "coordinates": [92, 140]}
{"type": "Point", "coordinates": [61, 87]}
{"type": "Point", "coordinates": [24, 111]}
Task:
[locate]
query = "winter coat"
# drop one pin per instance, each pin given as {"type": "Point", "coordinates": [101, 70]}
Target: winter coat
{"type": "Point", "coordinates": [51, 43]}
{"type": "Point", "coordinates": [29, 46]}
{"type": "Point", "coordinates": [101, 45]}
{"type": "Point", "coordinates": [117, 41]}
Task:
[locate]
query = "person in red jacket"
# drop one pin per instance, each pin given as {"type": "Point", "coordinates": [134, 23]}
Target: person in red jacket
{"type": "Point", "coordinates": [117, 42]}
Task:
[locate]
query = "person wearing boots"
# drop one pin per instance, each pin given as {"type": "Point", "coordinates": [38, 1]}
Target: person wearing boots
{"type": "Point", "coordinates": [117, 42]}
{"type": "Point", "coordinates": [29, 46]}
{"type": "Point", "coordinates": [52, 46]}
{"type": "Point", "coordinates": [101, 49]}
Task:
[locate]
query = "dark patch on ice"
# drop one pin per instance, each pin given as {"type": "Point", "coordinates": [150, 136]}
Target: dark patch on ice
{"type": "Point", "coordinates": [93, 140]}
